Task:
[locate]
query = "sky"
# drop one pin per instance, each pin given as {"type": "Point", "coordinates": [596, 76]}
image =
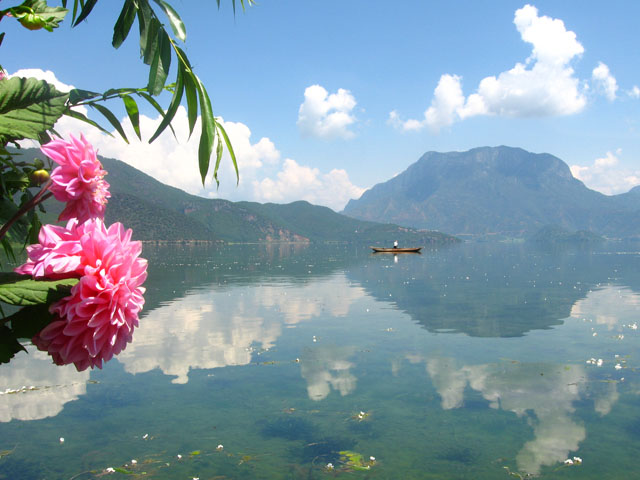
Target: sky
{"type": "Point", "coordinates": [324, 99]}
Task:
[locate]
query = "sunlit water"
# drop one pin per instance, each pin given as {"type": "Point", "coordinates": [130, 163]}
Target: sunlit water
{"type": "Point", "coordinates": [255, 362]}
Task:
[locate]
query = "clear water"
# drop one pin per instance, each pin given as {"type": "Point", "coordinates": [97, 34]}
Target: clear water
{"type": "Point", "coordinates": [471, 362]}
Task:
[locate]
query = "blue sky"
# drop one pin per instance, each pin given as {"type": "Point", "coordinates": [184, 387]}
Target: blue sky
{"type": "Point", "coordinates": [324, 99]}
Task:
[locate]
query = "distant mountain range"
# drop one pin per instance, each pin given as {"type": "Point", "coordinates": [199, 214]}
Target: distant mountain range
{"type": "Point", "coordinates": [501, 190]}
{"type": "Point", "coordinates": [158, 212]}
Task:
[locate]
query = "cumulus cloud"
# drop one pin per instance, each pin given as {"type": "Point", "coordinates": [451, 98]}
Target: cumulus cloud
{"type": "Point", "coordinates": [634, 92]}
{"type": "Point", "coordinates": [544, 85]}
{"type": "Point", "coordinates": [174, 161]}
{"type": "Point", "coordinates": [605, 174]}
{"type": "Point", "coordinates": [604, 81]}
{"type": "Point", "coordinates": [299, 182]}
{"type": "Point", "coordinates": [46, 75]}
{"type": "Point", "coordinates": [325, 115]}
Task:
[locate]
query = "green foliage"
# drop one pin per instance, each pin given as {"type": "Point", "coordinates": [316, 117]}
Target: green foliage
{"type": "Point", "coordinates": [28, 108]}
{"type": "Point", "coordinates": [32, 318]}
{"type": "Point", "coordinates": [355, 461]}
{"type": "Point", "coordinates": [23, 291]}
{"type": "Point", "coordinates": [159, 212]}
{"type": "Point", "coordinates": [36, 14]}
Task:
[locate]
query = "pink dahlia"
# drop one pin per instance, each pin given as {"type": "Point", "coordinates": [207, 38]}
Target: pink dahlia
{"type": "Point", "coordinates": [79, 179]}
{"type": "Point", "coordinates": [58, 253]}
{"type": "Point", "coordinates": [97, 320]}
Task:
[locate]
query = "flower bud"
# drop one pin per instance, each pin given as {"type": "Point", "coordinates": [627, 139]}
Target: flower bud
{"type": "Point", "coordinates": [31, 21]}
{"type": "Point", "coordinates": [39, 176]}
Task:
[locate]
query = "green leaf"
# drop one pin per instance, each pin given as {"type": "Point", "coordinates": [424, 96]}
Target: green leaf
{"type": "Point", "coordinates": [80, 116]}
{"type": "Point", "coordinates": [111, 118]}
{"type": "Point", "coordinates": [176, 22]}
{"type": "Point", "coordinates": [155, 105]}
{"type": "Point", "coordinates": [86, 10]}
{"type": "Point", "coordinates": [149, 28]}
{"type": "Point", "coordinates": [36, 14]}
{"type": "Point", "coordinates": [20, 227]}
{"type": "Point", "coordinates": [77, 95]}
{"type": "Point", "coordinates": [123, 25]}
{"type": "Point", "coordinates": [28, 107]}
{"type": "Point", "coordinates": [28, 321]}
{"type": "Point", "coordinates": [9, 345]}
{"type": "Point", "coordinates": [160, 65]}
{"type": "Point", "coordinates": [173, 106]}
{"type": "Point", "coordinates": [218, 157]}
{"type": "Point", "coordinates": [8, 250]}
{"type": "Point", "coordinates": [189, 88]}
{"type": "Point", "coordinates": [124, 470]}
{"type": "Point", "coordinates": [192, 102]}
{"type": "Point", "coordinates": [133, 112]}
{"type": "Point", "coordinates": [230, 149]}
{"type": "Point", "coordinates": [208, 129]}
{"type": "Point", "coordinates": [20, 290]}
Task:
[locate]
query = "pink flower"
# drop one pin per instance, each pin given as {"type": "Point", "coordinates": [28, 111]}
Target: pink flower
{"type": "Point", "coordinates": [58, 255]}
{"type": "Point", "coordinates": [97, 320]}
{"type": "Point", "coordinates": [79, 180]}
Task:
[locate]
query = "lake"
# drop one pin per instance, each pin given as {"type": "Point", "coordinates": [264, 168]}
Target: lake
{"type": "Point", "coordinates": [476, 361]}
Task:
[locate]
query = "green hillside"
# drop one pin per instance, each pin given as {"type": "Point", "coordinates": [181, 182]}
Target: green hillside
{"type": "Point", "coordinates": [158, 212]}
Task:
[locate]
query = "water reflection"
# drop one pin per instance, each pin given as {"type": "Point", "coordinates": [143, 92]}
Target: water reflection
{"type": "Point", "coordinates": [544, 394]}
{"type": "Point", "coordinates": [218, 327]}
{"type": "Point", "coordinates": [48, 387]}
{"type": "Point", "coordinates": [326, 367]}
{"type": "Point", "coordinates": [611, 306]}
{"type": "Point", "coordinates": [484, 291]}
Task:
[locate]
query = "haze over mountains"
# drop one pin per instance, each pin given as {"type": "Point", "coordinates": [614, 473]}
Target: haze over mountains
{"type": "Point", "coordinates": [501, 190]}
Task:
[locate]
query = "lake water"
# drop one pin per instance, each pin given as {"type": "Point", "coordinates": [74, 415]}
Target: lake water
{"type": "Point", "coordinates": [266, 362]}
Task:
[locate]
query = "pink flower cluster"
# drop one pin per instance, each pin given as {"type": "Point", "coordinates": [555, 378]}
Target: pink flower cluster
{"type": "Point", "coordinates": [79, 179]}
{"type": "Point", "coordinates": [96, 321]}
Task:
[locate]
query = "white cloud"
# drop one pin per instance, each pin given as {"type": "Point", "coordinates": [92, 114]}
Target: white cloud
{"type": "Point", "coordinates": [605, 82]}
{"type": "Point", "coordinates": [634, 92]}
{"type": "Point", "coordinates": [46, 75]}
{"type": "Point", "coordinates": [174, 161]}
{"type": "Point", "coordinates": [606, 176]}
{"type": "Point", "coordinates": [299, 182]}
{"type": "Point", "coordinates": [544, 85]}
{"type": "Point", "coordinates": [325, 115]}
{"type": "Point", "coordinates": [55, 386]}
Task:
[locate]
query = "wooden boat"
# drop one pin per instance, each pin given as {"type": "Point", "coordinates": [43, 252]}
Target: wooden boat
{"type": "Point", "coordinates": [396, 250]}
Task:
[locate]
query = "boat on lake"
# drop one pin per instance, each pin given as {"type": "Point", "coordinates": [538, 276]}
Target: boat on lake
{"type": "Point", "coordinates": [396, 250]}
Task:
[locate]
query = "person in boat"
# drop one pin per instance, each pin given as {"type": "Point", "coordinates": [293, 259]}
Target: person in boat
{"type": "Point", "coordinates": [395, 244]}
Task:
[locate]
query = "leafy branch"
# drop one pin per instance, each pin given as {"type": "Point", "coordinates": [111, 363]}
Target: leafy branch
{"type": "Point", "coordinates": [157, 48]}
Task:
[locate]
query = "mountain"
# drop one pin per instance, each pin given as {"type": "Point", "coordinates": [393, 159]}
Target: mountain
{"type": "Point", "coordinates": [554, 235]}
{"type": "Point", "coordinates": [158, 212]}
{"type": "Point", "coordinates": [500, 190]}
